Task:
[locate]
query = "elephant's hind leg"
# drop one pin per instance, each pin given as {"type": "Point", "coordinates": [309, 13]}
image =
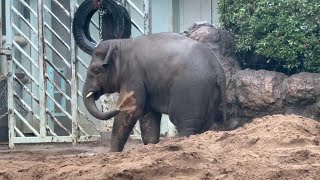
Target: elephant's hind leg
{"type": "Point", "coordinates": [150, 127]}
{"type": "Point", "coordinates": [189, 127]}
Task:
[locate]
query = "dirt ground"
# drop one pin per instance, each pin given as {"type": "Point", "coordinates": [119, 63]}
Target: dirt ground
{"type": "Point", "coordinates": [273, 147]}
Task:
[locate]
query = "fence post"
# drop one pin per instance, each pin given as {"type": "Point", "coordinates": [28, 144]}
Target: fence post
{"type": "Point", "coordinates": [74, 88]}
{"type": "Point", "coordinates": [42, 67]}
{"type": "Point", "coordinates": [147, 17]}
{"type": "Point", "coordinates": [8, 45]}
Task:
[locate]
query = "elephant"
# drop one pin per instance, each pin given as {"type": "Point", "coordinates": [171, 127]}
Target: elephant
{"type": "Point", "coordinates": [164, 73]}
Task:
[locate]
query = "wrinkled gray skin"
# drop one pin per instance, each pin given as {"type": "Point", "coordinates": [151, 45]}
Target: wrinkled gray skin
{"type": "Point", "coordinates": [168, 73]}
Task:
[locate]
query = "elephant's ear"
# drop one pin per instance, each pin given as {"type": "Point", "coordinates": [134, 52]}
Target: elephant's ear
{"type": "Point", "coordinates": [110, 58]}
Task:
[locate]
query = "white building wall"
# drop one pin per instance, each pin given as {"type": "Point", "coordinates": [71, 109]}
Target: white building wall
{"type": "Point", "coordinates": [176, 15]}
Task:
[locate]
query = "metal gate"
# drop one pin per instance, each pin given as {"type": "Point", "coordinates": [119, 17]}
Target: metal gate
{"type": "Point", "coordinates": [45, 72]}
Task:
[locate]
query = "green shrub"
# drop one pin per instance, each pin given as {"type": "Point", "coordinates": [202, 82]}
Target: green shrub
{"type": "Point", "coordinates": [284, 31]}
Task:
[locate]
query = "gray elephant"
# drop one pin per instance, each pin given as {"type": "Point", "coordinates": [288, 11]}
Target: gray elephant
{"type": "Point", "coordinates": [167, 73]}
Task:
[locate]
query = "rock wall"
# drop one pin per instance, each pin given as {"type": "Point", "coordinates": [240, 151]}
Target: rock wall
{"type": "Point", "coordinates": [256, 93]}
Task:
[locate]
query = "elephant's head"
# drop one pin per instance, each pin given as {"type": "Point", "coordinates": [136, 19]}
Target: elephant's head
{"type": "Point", "coordinates": [102, 78]}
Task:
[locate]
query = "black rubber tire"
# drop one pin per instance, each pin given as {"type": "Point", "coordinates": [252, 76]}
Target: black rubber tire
{"type": "Point", "coordinates": [82, 18]}
{"type": "Point", "coordinates": [127, 22]}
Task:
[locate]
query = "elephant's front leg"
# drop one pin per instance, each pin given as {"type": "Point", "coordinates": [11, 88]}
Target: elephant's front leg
{"type": "Point", "coordinates": [124, 121]}
{"type": "Point", "coordinates": [122, 127]}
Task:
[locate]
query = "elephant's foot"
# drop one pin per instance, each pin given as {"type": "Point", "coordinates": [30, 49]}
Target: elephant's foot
{"type": "Point", "coordinates": [150, 140]}
{"type": "Point", "coordinates": [117, 145]}
{"type": "Point", "coordinates": [122, 127]}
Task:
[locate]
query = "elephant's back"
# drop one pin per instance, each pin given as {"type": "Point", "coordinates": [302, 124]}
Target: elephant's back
{"type": "Point", "coordinates": [172, 53]}
{"type": "Point", "coordinates": [170, 46]}
{"type": "Point", "coordinates": [164, 42]}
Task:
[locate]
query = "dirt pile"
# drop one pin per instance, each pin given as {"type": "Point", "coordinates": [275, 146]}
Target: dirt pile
{"type": "Point", "coordinates": [272, 147]}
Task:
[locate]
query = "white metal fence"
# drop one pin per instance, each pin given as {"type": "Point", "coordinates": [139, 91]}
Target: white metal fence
{"type": "Point", "coordinates": [45, 72]}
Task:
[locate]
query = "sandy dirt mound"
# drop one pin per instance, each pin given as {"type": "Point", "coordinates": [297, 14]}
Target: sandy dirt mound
{"type": "Point", "coordinates": [273, 147]}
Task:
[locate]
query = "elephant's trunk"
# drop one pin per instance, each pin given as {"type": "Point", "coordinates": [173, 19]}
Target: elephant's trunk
{"type": "Point", "coordinates": [91, 106]}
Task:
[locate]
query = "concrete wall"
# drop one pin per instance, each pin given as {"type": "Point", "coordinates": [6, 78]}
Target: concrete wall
{"type": "Point", "coordinates": [190, 11]}
{"type": "Point", "coordinates": [162, 16]}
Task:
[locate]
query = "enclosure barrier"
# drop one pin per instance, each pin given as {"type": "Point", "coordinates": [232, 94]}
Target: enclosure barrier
{"type": "Point", "coordinates": [146, 15]}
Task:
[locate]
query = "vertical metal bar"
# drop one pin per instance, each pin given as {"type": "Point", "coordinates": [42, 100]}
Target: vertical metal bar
{"type": "Point", "coordinates": [34, 87]}
{"type": "Point", "coordinates": [147, 17]}
{"type": "Point", "coordinates": [74, 88]}
{"type": "Point", "coordinates": [176, 15]}
{"type": "Point", "coordinates": [125, 2]}
{"type": "Point", "coordinates": [2, 62]}
{"type": "Point", "coordinates": [42, 64]}
{"type": "Point", "coordinates": [50, 90]}
{"type": "Point", "coordinates": [211, 11]}
{"type": "Point", "coordinates": [8, 45]}
{"type": "Point", "coordinates": [63, 101]}
{"type": "Point", "coordinates": [0, 31]}
{"type": "Point", "coordinates": [49, 70]}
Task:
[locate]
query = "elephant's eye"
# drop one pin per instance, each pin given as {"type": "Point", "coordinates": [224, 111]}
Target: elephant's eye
{"type": "Point", "coordinates": [96, 71]}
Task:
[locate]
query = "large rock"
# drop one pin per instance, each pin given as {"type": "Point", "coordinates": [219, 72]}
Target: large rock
{"type": "Point", "coordinates": [303, 95]}
{"type": "Point", "coordinates": [221, 42]}
{"type": "Point", "coordinates": [262, 92]}
{"type": "Point", "coordinates": [256, 93]}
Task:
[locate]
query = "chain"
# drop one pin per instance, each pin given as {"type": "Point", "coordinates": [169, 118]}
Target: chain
{"type": "Point", "coordinates": [101, 13]}
{"type": "Point", "coordinates": [3, 96]}
{"type": "Point", "coordinates": [3, 77]}
{"type": "Point", "coordinates": [4, 115]}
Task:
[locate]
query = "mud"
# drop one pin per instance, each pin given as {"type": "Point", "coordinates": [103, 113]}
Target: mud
{"type": "Point", "coordinates": [272, 147]}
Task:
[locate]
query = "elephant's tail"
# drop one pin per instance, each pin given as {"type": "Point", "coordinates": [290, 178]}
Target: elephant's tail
{"type": "Point", "coordinates": [221, 83]}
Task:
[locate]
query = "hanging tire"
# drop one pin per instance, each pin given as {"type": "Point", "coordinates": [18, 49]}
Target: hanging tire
{"type": "Point", "coordinates": [116, 24]}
